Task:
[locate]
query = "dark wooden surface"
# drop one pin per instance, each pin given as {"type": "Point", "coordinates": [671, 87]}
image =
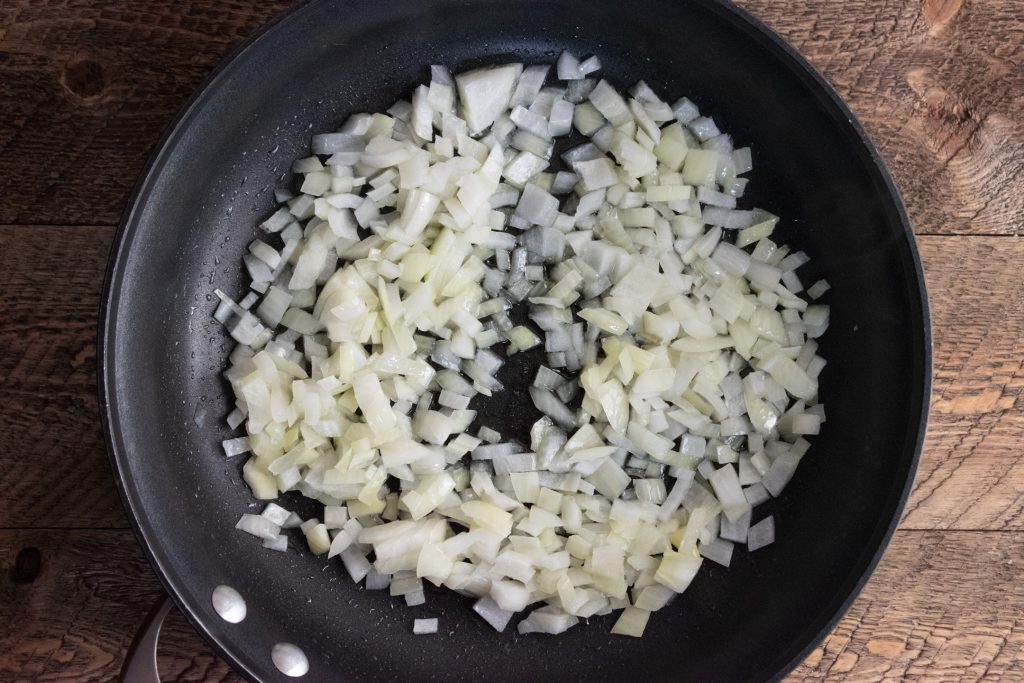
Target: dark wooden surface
{"type": "Point", "coordinates": [85, 90]}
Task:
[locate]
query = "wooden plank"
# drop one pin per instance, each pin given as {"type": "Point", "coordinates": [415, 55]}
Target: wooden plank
{"type": "Point", "coordinates": [971, 475]}
{"type": "Point", "coordinates": [942, 606]}
{"type": "Point", "coordinates": [89, 87]}
{"type": "Point", "coordinates": [77, 619]}
{"type": "Point", "coordinates": [54, 466]}
{"type": "Point", "coordinates": [937, 84]}
{"type": "Point", "coordinates": [945, 604]}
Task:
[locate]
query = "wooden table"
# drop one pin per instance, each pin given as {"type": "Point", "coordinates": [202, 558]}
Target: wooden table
{"type": "Point", "coordinates": [86, 88]}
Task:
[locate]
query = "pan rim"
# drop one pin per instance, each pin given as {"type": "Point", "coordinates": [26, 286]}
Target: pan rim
{"type": "Point", "coordinates": [812, 636]}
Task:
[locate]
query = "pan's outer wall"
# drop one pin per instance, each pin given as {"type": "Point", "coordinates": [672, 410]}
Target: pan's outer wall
{"type": "Point", "coordinates": [212, 180]}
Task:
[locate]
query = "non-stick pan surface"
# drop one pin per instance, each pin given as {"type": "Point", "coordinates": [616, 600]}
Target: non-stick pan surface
{"type": "Point", "coordinates": [212, 180]}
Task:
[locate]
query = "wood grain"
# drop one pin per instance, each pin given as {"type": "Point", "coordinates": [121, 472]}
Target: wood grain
{"type": "Point", "coordinates": [946, 113]}
{"type": "Point", "coordinates": [88, 87]}
{"type": "Point", "coordinates": [53, 467]}
{"type": "Point", "coordinates": [77, 619]}
{"type": "Point", "coordinates": [912, 622]}
{"type": "Point", "coordinates": [942, 606]}
{"type": "Point", "coordinates": [939, 86]}
{"type": "Point", "coordinates": [972, 472]}
{"type": "Point", "coordinates": [971, 475]}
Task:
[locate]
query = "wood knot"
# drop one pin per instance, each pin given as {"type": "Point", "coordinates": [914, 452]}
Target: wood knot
{"type": "Point", "coordinates": [27, 565]}
{"type": "Point", "coordinates": [938, 13]}
{"type": "Point", "coordinates": [943, 105]}
{"type": "Point", "coordinates": [84, 78]}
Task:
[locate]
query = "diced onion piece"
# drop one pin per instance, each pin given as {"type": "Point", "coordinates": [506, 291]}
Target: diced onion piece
{"type": "Point", "coordinates": [568, 67]}
{"type": "Point", "coordinates": [258, 526]}
{"type": "Point", "coordinates": [547, 620]}
{"type": "Point", "coordinates": [677, 570]}
{"type": "Point", "coordinates": [485, 94]}
{"type": "Point", "coordinates": [236, 446]}
{"type": "Point", "coordinates": [791, 376]}
{"type": "Point", "coordinates": [718, 551]}
{"type": "Point", "coordinates": [632, 622]}
{"type": "Point", "coordinates": [761, 534]}
{"type": "Point", "coordinates": [491, 613]}
{"type": "Point", "coordinates": [729, 493]}
{"type": "Point", "coordinates": [421, 627]}
{"type": "Point", "coordinates": [276, 514]}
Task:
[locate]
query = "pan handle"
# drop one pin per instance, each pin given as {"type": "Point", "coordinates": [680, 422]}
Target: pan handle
{"type": "Point", "coordinates": [140, 662]}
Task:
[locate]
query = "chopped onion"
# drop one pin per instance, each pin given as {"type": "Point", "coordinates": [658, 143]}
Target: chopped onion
{"type": "Point", "coordinates": [547, 620]}
{"type": "Point", "coordinates": [485, 94]}
{"type": "Point", "coordinates": [417, 242]}
{"type": "Point", "coordinates": [632, 622]}
{"type": "Point", "coordinates": [761, 534]}
{"type": "Point", "coordinates": [548, 403]}
{"type": "Point", "coordinates": [491, 613]}
{"type": "Point", "coordinates": [422, 627]}
{"type": "Point", "coordinates": [237, 446]}
{"type": "Point", "coordinates": [258, 526]}
{"type": "Point", "coordinates": [276, 514]}
{"type": "Point", "coordinates": [718, 551]}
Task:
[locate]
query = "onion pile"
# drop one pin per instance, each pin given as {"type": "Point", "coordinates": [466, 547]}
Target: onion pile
{"type": "Point", "coordinates": [681, 363]}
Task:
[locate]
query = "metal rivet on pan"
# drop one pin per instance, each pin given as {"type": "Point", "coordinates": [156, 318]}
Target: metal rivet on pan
{"type": "Point", "coordinates": [290, 660]}
{"type": "Point", "coordinates": [229, 604]}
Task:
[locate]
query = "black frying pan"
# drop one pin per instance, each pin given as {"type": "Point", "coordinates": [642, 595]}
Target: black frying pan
{"type": "Point", "coordinates": [211, 181]}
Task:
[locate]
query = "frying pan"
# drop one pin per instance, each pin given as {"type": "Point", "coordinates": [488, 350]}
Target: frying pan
{"type": "Point", "coordinates": [210, 182]}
